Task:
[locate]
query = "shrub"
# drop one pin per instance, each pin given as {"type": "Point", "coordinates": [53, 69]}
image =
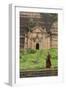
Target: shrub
{"type": "Point", "coordinates": [22, 51]}
{"type": "Point", "coordinates": [31, 51]}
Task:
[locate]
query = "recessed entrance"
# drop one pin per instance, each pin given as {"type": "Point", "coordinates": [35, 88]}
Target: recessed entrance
{"type": "Point", "coordinates": [37, 46]}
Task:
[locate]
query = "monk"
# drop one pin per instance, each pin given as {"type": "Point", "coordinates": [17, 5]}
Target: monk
{"type": "Point", "coordinates": [48, 61]}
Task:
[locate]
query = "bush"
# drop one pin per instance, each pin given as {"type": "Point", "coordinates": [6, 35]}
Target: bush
{"type": "Point", "coordinates": [22, 51]}
{"type": "Point", "coordinates": [31, 51]}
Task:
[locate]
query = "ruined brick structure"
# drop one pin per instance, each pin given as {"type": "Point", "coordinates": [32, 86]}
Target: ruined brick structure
{"type": "Point", "coordinates": [38, 37]}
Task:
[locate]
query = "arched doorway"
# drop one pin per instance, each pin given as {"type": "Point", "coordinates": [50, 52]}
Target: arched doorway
{"type": "Point", "coordinates": [37, 46]}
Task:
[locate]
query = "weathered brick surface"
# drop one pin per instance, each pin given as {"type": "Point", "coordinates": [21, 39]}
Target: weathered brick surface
{"type": "Point", "coordinates": [39, 34]}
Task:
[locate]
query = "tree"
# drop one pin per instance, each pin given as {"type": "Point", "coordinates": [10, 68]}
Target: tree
{"type": "Point", "coordinates": [49, 19]}
{"type": "Point", "coordinates": [31, 24]}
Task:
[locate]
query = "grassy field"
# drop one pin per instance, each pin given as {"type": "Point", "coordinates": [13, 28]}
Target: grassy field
{"type": "Point", "coordinates": [36, 59]}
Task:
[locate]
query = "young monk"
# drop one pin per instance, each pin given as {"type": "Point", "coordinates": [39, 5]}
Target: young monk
{"type": "Point", "coordinates": [48, 61]}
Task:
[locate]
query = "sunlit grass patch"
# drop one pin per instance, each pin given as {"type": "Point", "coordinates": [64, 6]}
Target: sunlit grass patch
{"type": "Point", "coordinates": [36, 59]}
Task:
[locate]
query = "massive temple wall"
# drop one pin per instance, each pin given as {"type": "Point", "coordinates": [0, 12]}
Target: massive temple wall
{"type": "Point", "coordinates": [43, 39]}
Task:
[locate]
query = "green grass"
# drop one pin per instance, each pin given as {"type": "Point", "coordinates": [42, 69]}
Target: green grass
{"type": "Point", "coordinates": [36, 59]}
